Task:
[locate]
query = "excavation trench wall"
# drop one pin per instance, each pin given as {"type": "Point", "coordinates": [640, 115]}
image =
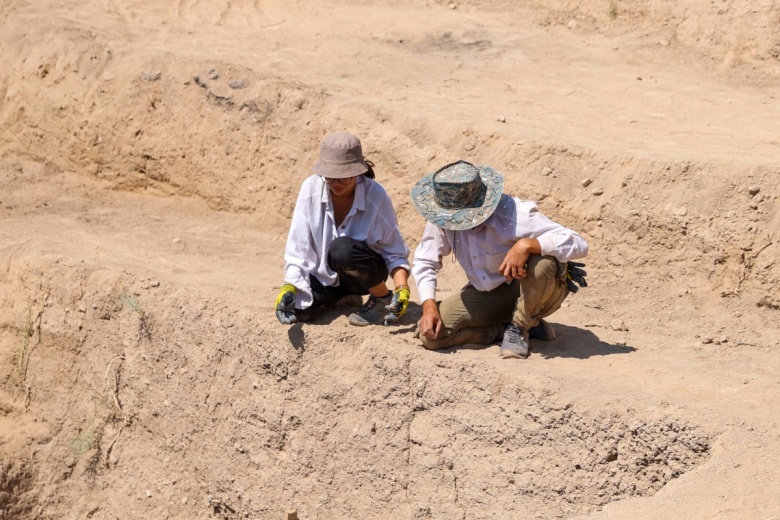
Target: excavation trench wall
{"type": "Point", "coordinates": [176, 401]}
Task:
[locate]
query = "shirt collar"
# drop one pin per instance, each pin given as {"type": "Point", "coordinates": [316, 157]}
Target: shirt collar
{"type": "Point", "coordinates": [360, 193]}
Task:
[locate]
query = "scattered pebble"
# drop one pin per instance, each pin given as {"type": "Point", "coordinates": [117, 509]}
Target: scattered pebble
{"type": "Point", "coordinates": [237, 84]}
{"type": "Point", "coordinates": [618, 325]}
{"type": "Point", "coordinates": [148, 494]}
{"type": "Point", "coordinates": [753, 190]}
{"type": "Point", "coordinates": [586, 182]}
{"type": "Point", "coordinates": [681, 211]}
{"type": "Point", "coordinates": [501, 119]}
{"type": "Point", "coordinates": [546, 170]}
{"type": "Point", "coordinates": [663, 43]}
{"type": "Point", "coordinates": [151, 76]}
{"type": "Point", "coordinates": [452, 5]}
{"type": "Point", "coordinates": [597, 192]}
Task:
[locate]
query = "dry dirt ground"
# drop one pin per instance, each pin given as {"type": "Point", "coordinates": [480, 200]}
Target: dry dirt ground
{"type": "Point", "coordinates": [150, 155]}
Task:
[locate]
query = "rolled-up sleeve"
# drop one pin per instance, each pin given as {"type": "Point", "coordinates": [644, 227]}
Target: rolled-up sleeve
{"type": "Point", "coordinates": [300, 254]}
{"type": "Point", "coordinates": [427, 260]}
{"type": "Point", "coordinates": [392, 247]}
{"type": "Point", "coordinates": [555, 240]}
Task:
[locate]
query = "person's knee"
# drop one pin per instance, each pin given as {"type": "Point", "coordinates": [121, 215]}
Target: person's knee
{"type": "Point", "coordinates": [542, 266]}
{"type": "Point", "coordinates": [430, 344]}
{"type": "Point", "coordinates": [341, 251]}
{"type": "Point", "coordinates": [433, 344]}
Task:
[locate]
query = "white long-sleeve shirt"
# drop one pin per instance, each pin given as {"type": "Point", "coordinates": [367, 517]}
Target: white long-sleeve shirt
{"type": "Point", "coordinates": [481, 250]}
{"type": "Point", "coordinates": [313, 228]}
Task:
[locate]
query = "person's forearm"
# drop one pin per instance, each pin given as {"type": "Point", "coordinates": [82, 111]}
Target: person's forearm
{"type": "Point", "coordinates": [400, 277]}
{"type": "Point", "coordinates": [528, 246]}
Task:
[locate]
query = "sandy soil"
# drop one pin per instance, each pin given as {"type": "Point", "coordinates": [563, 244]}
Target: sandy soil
{"type": "Point", "coordinates": [150, 154]}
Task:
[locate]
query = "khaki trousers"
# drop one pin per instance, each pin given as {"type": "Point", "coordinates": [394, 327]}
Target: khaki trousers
{"type": "Point", "coordinates": [480, 317]}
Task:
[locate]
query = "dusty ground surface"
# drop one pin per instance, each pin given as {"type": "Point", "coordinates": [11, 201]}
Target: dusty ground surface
{"type": "Point", "coordinates": [150, 154]}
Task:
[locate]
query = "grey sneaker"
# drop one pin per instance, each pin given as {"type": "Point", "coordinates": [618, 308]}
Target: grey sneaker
{"type": "Point", "coordinates": [515, 343]}
{"type": "Point", "coordinates": [543, 332]}
{"type": "Point", "coordinates": [372, 312]}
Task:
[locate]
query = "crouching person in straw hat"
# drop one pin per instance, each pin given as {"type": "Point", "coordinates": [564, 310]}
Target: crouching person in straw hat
{"type": "Point", "coordinates": [516, 260]}
{"type": "Point", "coordinates": [343, 242]}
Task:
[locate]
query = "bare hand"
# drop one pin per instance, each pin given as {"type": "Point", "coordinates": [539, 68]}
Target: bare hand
{"type": "Point", "coordinates": [514, 264]}
{"type": "Point", "coordinates": [430, 323]}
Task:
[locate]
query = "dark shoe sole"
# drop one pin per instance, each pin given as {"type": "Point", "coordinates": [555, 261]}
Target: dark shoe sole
{"type": "Point", "coordinates": [543, 332]}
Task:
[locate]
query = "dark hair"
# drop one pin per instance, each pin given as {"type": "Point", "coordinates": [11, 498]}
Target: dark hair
{"type": "Point", "coordinates": [370, 173]}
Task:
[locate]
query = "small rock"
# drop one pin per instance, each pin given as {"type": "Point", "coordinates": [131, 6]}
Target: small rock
{"type": "Point", "coordinates": [151, 76]}
{"type": "Point", "coordinates": [546, 170]}
{"type": "Point", "coordinates": [176, 240]}
{"type": "Point", "coordinates": [586, 182]}
{"type": "Point", "coordinates": [501, 119]}
{"type": "Point", "coordinates": [663, 43]}
{"type": "Point", "coordinates": [681, 211]}
{"type": "Point", "coordinates": [597, 192]}
{"type": "Point", "coordinates": [753, 190]}
{"type": "Point", "coordinates": [148, 494]}
{"type": "Point", "coordinates": [618, 325]}
{"type": "Point", "coordinates": [452, 5]}
{"type": "Point", "coordinates": [572, 24]}
{"type": "Point", "coordinates": [237, 84]}
{"type": "Point", "coordinates": [154, 283]}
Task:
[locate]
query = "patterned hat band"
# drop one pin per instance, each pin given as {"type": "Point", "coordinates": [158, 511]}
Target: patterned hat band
{"type": "Point", "coordinates": [458, 195]}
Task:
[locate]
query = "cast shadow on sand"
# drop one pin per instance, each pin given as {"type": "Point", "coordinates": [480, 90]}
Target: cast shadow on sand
{"type": "Point", "coordinates": [406, 325]}
{"type": "Point", "coordinates": [570, 342]}
{"type": "Point", "coordinates": [574, 342]}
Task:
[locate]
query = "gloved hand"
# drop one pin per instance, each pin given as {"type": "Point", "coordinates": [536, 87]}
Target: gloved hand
{"type": "Point", "coordinates": [575, 275]}
{"type": "Point", "coordinates": [285, 304]}
{"type": "Point", "coordinates": [398, 304]}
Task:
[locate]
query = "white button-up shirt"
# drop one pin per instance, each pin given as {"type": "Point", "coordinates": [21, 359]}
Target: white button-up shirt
{"type": "Point", "coordinates": [313, 228]}
{"type": "Point", "coordinates": [481, 250]}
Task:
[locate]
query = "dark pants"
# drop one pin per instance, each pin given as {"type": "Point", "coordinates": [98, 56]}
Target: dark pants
{"type": "Point", "coordinates": [359, 268]}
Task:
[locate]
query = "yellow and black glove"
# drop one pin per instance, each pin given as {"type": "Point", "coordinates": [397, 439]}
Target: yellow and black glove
{"type": "Point", "coordinates": [285, 304]}
{"type": "Point", "coordinates": [575, 275]}
{"type": "Point", "coordinates": [398, 304]}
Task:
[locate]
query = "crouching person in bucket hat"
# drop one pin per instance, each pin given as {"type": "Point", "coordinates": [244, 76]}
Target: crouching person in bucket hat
{"type": "Point", "coordinates": [343, 242]}
{"type": "Point", "coordinates": [516, 259]}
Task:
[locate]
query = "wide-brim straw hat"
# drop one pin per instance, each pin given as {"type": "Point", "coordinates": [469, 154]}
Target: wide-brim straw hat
{"type": "Point", "coordinates": [458, 195]}
{"type": "Point", "coordinates": [341, 157]}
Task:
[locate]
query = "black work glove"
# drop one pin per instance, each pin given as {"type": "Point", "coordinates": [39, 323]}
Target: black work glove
{"type": "Point", "coordinates": [575, 275]}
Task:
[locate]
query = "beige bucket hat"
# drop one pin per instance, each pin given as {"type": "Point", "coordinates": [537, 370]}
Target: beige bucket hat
{"type": "Point", "coordinates": [341, 157]}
